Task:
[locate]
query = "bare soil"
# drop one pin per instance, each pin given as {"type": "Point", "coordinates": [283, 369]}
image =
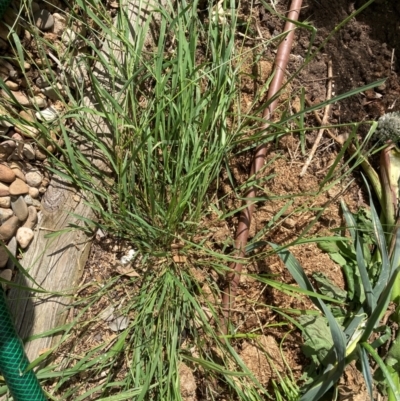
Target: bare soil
{"type": "Point", "coordinates": [362, 52]}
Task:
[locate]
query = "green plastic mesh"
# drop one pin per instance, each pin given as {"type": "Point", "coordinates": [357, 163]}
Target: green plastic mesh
{"type": "Point", "coordinates": [3, 6]}
{"type": "Point", "coordinates": [23, 385]}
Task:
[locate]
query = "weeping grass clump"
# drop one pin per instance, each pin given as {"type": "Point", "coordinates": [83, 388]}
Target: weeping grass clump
{"type": "Point", "coordinates": [167, 123]}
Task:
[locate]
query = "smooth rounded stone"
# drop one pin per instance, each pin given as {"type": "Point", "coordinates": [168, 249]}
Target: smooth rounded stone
{"type": "Point", "coordinates": [5, 274]}
{"type": "Point", "coordinates": [34, 192]}
{"type": "Point", "coordinates": [9, 228]}
{"type": "Point", "coordinates": [20, 208]}
{"type": "Point", "coordinates": [32, 219]}
{"type": "Point", "coordinates": [17, 137]}
{"type": "Point", "coordinates": [3, 256]}
{"type": "Point", "coordinates": [6, 174]}
{"type": "Point", "coordinates": [39, 102]}
{"type": "Point", "coordinates": [5, 214]}
{"type": "Point", "coordinates": [32, 202]}
{"type": "Point", "coordinates": [60, 23]}
{"type": "Point", "coordinates": [43, 20]}
{"type": "Point", "coordinates": [33, 178]}
{"type": "Point", "coordinates": [20, 97]}
{"type": "Point", "coordinates": [24, 236]}
{"type": "Point", "coordinates": [27, 130]}
{"type": "Point", "coordinates": [40, 155]}
{"type": "Point", "coordinates": [27, 115]}
{"type": "Point", "coordinates": [5, 202]}
{"type": "Point", "coordinates": [12, 85]}
{"type": "Point", "coordinates": [52, 93]}
{"type": "Point", "coordinates": [49, 114]}
{"type": "Point", "coordinates": [28, 152]}
{"type": "Point", "coordinates": [18, 172]}
{"type": "Point", "coordinates": [4, 190]}
{"type": "Point", "coordinates": [68, 37]}
{"type": "Point", "coordinates": [42, 190]}
{"type": "Point", "coordinates": [7, 147]}
{"type": "Point", "coordinates": [18, 187]}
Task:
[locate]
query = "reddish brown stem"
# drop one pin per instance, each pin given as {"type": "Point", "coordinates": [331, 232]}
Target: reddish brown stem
{"type": "Point", "coordinates": [242, 232]}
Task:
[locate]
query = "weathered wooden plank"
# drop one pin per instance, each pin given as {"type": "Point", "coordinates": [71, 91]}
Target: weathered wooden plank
{"type": "Point", "coordinates": [57, 263]}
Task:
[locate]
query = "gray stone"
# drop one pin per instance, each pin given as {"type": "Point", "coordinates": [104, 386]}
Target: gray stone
{"type": "Point", "coordinates": [28, 152]}
{"type": "Point", "coordinates": [33, 179]}
{"type": "Point", "coordinates": [9, 228]}
{"type": "Point", "coordinates": [20, 208]}
{"type": "Point", "coordinates": [24, 236]}
{"type": "Point", "coordinates": [32, 219]}
{"type": "Point", "coordinates": [5, 214]}
{"type": "Point", "coordinates": [31, 202]}
{"type": "Point", "coordinates": [7, 146]}
{"type": "Point", "coordinates": [43, 20]}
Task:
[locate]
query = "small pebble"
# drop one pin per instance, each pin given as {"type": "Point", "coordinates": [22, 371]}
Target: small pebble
{"type": "Point", "coordinates": [40, 155]}
{"type": "Point", "coordinates": [27, 130]}
{"type": "Point", "coordinates": [49, 114]}
{"type": "Point", "coordinates": [7, 146]}
{"type": "Point", "coordinates": [20, 208]}
{"type": "Point", "coordinates": [24, 236]}
{"type": "Point", "coordinates": [9, 228]}
{"type": "Point", "coordinates": [41, 82]}
{"type": "Point", "coordinates": [6, 274]}
{"type": "Point", "coordinates": [6, 174]}
{"type": "Point", "coordinates": [32, 219]}
{"type": "Point", "coordinates": [4, 190]}
{"type": "Point", "coordinates": [5, 201]}
{"type": "Point", "coordinates": [43, 20]}
{"type": "Point", "coordinates": [34, 192]}
{"type": "Point", "coordinates": [28, 152]}
{"type": "Point", "coordinates": [18, 187]}
{"type": "Point", "coordinates": [12, 85]}
{"type": "Point", "coordinates": [5, 214]}
{"type": "Point", "coordinates": [31, 202]}
{"type": "Point", "coordinates": [59, 24]}
{"type": "Point", "coordinates": [39, 102]}
{"type": "Point", "coordinates": [3, 256]}
{"type": "Point", "coordinates": [20, 97]}
{"type": "Point", "coordinates": [27, 115]}
{"type": "Point", "coordinates": [68, 37]}
{"type": "Point", "coordinates": [33, 179]}
{"type": "Point", "coordinates": [52, 93]}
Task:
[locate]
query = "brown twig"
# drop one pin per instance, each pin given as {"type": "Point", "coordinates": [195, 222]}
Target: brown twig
{"type": "Point", "coordinates": [242, 232]}
{"type": "Point", "coordinates": [323, 122]}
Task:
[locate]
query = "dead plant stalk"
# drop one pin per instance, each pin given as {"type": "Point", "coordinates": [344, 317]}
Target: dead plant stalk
{"type": "Point", "coordinates": [242, 232]}
{"type": "Point", "coordinates": [323, 122]}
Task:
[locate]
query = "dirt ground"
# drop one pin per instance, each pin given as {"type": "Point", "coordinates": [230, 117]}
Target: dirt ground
{"type": "Point", "coordinates": [363, 51]}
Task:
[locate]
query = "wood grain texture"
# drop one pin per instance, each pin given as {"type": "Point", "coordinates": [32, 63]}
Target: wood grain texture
{"type": "Point", "coordinates": [56, 264]}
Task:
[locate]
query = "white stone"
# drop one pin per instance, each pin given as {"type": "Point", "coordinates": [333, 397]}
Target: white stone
{"type": "Point", "coordinates": [33, 179]}
{"type": "Point", "coordinates": [24, 236]}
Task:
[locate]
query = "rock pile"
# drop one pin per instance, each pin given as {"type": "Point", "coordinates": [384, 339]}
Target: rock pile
{"type": "Point", "coordinates": [21, 186]}
{"type": "Point", "coordinates": [33, 92]}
